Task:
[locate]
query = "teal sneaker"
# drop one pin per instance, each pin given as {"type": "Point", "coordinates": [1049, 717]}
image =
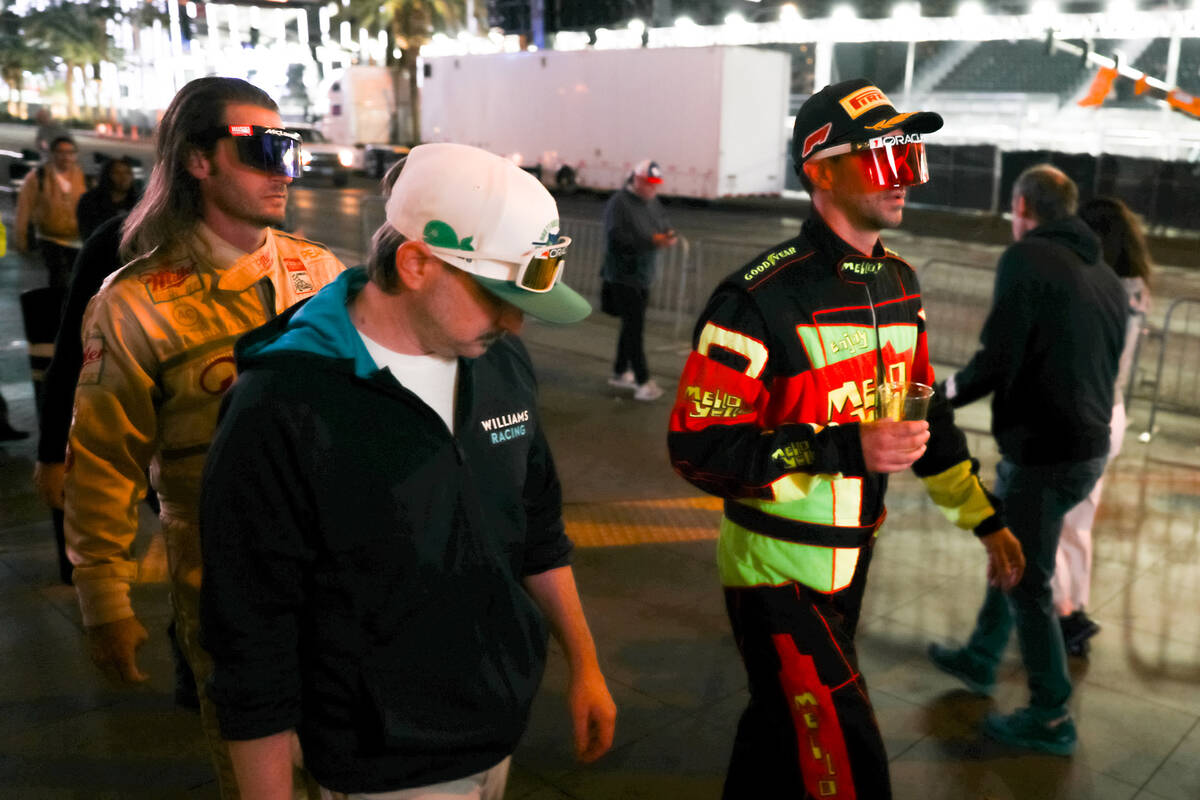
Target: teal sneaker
{"type": "Point", "coordinates": [956, 662]}
{"type": "Point", "coordinates": [1031, 730]}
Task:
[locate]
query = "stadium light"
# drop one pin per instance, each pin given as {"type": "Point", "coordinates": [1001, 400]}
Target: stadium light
{"type": "Point", "coordinates": [969, 9]}
{"type": "Point", "coordinates": [1044, 8]}
{"type": "Point", "coordinates": [843, 13]}
{"type": "Point", "coordinates": [906, 11]}
{"type": "Point", "coordinates": [734, 18]}
{"type": "Point", "coordinates": [789, 14]}
{"type": "Point", "coordinates": [637, 26]}
{"type": "Point", "coordinates": [685, 22]}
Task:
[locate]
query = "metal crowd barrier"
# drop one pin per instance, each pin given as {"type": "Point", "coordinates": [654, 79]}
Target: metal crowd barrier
{"type": "Point", "coordinates": [956, 298]}
{"type": "Point", "coordinates": [1177, 378]}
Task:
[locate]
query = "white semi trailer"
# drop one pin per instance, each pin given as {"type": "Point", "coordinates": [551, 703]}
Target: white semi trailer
{"type": "Point", "coordinates": [714, 118]}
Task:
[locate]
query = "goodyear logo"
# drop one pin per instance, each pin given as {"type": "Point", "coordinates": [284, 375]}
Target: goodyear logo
{"type": "Point", "coordinates": [793, 455]}
{"type": "Point", "coordinates": [713, 404]}
{"type": "Point", "coordinates": [858, 103]}
{"type": "Point", "coordinates": [768, 262]}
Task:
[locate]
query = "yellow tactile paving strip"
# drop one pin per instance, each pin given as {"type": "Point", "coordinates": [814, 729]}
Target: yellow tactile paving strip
{"type": "Point", "coordinates": [677, 519]}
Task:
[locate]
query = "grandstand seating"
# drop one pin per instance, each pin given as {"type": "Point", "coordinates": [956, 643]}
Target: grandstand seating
{"type": "Point", "coordinates": [1016, 66]}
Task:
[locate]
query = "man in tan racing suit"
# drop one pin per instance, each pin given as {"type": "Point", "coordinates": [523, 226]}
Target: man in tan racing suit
{"type": "Point", "coordinates": [158, 356]}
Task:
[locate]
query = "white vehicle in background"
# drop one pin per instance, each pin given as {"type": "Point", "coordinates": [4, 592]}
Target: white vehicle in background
{"type": "Point", "coordinates": [714, 118]}
{"type": "Point", "coordinates": [319, 156]}
{"type": "Point", "coordinates": [362, 106]}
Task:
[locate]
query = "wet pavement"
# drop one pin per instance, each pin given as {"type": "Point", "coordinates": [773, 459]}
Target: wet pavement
{"type": "Point", "coordinates": [645, 567]}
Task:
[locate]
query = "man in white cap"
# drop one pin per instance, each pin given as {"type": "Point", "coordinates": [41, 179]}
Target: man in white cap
{"type": "Point", "coordinates": [635, 229]}
{"type": "Point", "coordinates": [381, 518]}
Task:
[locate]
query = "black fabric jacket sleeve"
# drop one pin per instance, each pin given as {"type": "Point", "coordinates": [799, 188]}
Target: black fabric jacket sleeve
{"type": "Point", "coordinates": [253, 585]}
{"type": "Point", "coordinates": [1005, 333]}
{"type": "Point", "coordinates": [96, 261]}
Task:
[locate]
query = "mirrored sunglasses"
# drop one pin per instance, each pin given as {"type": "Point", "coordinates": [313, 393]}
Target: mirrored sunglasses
{"type": "Point", "coordinates": [272, 150]}
{"type": "Point", "coordinates": [885, 162]}
{"type": "Point", "coordinates": [543, 269]}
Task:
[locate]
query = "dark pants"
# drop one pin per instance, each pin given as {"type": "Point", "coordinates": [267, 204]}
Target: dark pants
{"type": "Point", "coordinates": [59, 261]}
{"type": "Point", "coordinates": [631, 351]}
{"type": "Point", "coordinates": [809, 731]}
{"type": "Point", "coordinates": [1036, 498]}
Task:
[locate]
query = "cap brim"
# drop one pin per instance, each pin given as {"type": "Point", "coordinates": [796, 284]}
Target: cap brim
{"type": "Point", "coordinates": [561, 305]}
{"type": "Point", "coordinates": [922, 122]}
{"type": "Point", "coordinates": [652, 179]}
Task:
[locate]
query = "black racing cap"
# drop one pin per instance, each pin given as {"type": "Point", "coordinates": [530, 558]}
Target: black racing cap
{"type": "Point", "coordinates": [851, 111]}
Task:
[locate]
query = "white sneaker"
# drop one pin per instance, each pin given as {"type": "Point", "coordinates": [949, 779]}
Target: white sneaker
{"type": "Point", "coordinates": [623, 381]}
{"type": "Point", "coordinates": [648, 391]}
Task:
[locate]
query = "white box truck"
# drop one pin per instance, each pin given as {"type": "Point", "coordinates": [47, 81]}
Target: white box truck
{"type": "Point", "coordinates": [362, 105]}
{"type": "Point", "coordinates": [714, 118]}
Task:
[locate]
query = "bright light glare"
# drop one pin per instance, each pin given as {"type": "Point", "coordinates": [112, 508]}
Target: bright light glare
{"type": "Point", "coordinates": [684, 22]}
{"type": "Point", "coordinates": [789, 13]}
{"type": "Point", "coordinates": [843, 13]}
{"type": "Point", "coordinates": [1044, 8]}
{"type": "Point", "coordinates": [970, 9]}
{"type": "Point", "coordinates": [1121, 7]}
{"type": "Point", "coordinates": [734, 18]}
{"type": "Point", "coordinates": [906, 11]}
{"type": "Point", "coordinates": [637, 26]}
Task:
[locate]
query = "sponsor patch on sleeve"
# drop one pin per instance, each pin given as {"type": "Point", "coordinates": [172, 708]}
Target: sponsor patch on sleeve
{"type": "Point", "coordinates": [93, 360]}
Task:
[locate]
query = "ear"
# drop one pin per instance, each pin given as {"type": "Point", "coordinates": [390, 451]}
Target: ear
{"type": "Point", "coordinates": [415, 265]}
{"type": "Point", "coordinates": [820, 173]}
{"type": "Point", "coordinates": [1019, 207]}
{"type": "Point", "coordinates": [199, 166]}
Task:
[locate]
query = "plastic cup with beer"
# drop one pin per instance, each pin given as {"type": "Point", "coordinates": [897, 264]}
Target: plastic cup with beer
{"type": "Point", "coordinates": [902, 401]}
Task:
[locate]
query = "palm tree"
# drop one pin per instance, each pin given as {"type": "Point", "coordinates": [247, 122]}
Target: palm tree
{"type": "Point", "coordinates": [408, 25]}
{"type": "Point", "coordinates": [77, 34]}
{"type": "Point", "coordinates": [18, 55]}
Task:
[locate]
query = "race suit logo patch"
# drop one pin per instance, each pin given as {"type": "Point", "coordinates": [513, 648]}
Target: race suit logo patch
{"type": "Point", "coordinates": [506, 427]}
{"type": "Point", "coordinates": [301, 283]}
{"type": "Point", "coordinates": [218, 375]}
{"type": "Point", "coordinates": [706, 403]}
{"type": "Point", "coordinates": [169, 283]}
{"type": "Point", "coordinates": [819, 136]}
{"type": "Point", "coordinates": [858, 103]}
{"type": "Point", "coordinates": [293, 265]}
{"type": "Point", "coordinates": [93, 360]}
{"type": "Point", "coordinates": [793, 456]}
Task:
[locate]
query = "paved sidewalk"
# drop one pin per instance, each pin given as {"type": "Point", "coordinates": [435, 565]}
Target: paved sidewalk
{"type": "Point", "coordinates": [645, 569]}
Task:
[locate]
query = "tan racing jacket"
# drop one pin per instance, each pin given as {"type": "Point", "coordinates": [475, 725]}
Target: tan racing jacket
{"type": "Point", "coordinates": [158, 356]}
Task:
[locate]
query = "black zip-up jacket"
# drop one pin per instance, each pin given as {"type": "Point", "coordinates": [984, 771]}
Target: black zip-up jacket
{"type": "Point", "coordinates": [363, 565]}
{"type": "Point", "coordinates": [1050, 347]}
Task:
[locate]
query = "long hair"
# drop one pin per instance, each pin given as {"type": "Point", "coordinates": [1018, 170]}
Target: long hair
{"type": "Point", "coordinates": [172, 205]}
{"type": "Point", "coordinates": [1121, 236]}
{"type": "Point", "coordinates": [105, 181]}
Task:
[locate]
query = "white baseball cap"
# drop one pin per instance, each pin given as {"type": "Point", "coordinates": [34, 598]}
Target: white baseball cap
{"type": "Point", "coordinates": [483, 214]}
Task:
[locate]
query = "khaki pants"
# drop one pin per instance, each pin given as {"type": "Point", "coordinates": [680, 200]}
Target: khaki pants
{"type": "Point", "coordinates": [486, 785]}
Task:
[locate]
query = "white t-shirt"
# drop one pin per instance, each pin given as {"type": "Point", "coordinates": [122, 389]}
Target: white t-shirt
{"type": "Point", "coordinates": [431, 378]}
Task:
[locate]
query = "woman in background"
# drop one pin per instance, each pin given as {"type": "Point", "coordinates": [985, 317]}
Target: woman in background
{"type": "Point", "coordinates": [1125, 250]}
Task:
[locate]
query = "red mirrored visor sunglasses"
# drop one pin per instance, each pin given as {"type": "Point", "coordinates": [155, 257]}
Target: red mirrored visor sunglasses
{"type": "Point", "coordinates": [269, 149]}
{"type": "Point", "coordinates": [885, 162]}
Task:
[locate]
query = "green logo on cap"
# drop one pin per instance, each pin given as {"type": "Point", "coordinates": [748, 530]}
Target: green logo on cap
{"type": "Point", "coordinates": [439, 234]}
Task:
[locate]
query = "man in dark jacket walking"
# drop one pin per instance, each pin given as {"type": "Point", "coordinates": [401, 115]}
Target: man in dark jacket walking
{"type": "Point", "coordinates": [381, 518]}
{"type": "Point", "coordinates": [1049, 356]}
{"type": "Point", "coordinates": [635, 229]}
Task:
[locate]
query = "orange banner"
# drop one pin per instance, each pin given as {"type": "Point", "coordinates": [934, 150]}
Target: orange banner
{"type": "Point", "coordinates": [1101, 86]}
